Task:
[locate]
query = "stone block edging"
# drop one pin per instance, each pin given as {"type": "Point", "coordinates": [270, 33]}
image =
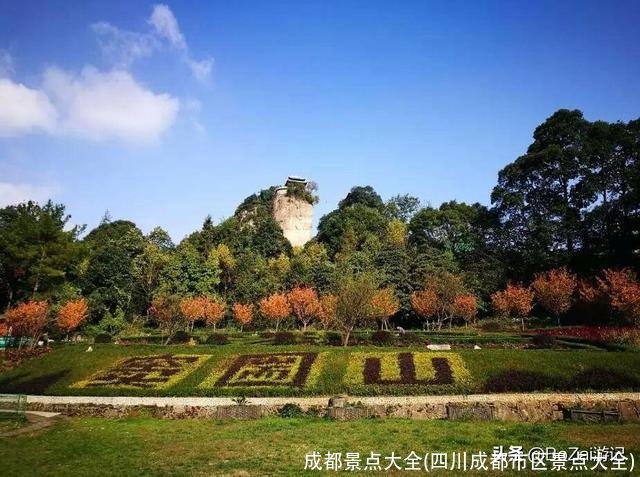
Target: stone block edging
{"type": "Point", "coordinates": [534, 407]}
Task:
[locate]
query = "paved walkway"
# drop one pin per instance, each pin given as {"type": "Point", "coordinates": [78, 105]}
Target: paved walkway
{"type": "Point", "coordinates": [323, 400]}
{"type": "Point", "coordinates": [37, 420]}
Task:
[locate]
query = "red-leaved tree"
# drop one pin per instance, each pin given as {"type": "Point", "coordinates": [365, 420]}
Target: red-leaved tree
{"type": "Point", "coordinates": [243, 314]}
{"type": "Point", "coordinates": [466, 307]}
{"type": "Point", "coordinates": [514, 301]}
{"type": "Point", "coordinates": [166, 311]}
{"type": "Point", "coordinates": [28, 319]}
{"type": "Point", "coordinates": [71, 314]}
{"type": "Point", "coordinates": [276, 308]}
{"type": "Point", "coordinates": [385, 304]}
{"type": "Point", "coordinates": [554, 290]}
{"type": "Point", "coordinates": [304, 304]}
{"type": "Point", "coordinates": [622, 289]}
{"type": "Point", "coordinates": [328, 309]}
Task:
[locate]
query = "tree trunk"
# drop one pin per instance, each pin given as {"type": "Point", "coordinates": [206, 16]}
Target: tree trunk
{"type": "Point", "coordinates": [522, 322]}
{"type": "Point", "coordinates": [345, 339]}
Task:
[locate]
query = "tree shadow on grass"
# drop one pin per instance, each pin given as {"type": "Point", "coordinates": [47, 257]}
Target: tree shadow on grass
{"type": "Point", "coordinates": [37, 385]}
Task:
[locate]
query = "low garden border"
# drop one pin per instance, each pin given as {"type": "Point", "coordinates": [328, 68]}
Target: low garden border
{"type": "Point", "coordinates": [538, 407]}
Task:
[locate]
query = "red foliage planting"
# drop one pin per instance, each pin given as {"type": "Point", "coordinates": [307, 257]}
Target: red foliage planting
{"type": "Point", "coordinates": [590, 333]}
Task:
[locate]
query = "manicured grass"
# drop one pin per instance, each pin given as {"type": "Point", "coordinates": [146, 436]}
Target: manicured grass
{"type": "Point", "coordinates": [59, 371]}
{"type": "Point", "coordinates": [274, 446]}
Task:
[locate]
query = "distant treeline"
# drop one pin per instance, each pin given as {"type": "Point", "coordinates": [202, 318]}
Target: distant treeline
{"type": "Point", "coordinates": [572, 200]}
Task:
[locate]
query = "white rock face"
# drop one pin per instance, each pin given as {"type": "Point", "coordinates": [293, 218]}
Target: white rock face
{"type": "Point", "coordinates": [294, 217]}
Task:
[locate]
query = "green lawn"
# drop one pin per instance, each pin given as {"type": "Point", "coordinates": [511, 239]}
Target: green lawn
{"type": "Point", "coordinates": [58, 372]}
{"type": "Point", "coordinates": [274, 446]}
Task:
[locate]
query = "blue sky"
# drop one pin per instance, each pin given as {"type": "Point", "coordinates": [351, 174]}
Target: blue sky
{"type": "Point", "coordinates": [163, 114]}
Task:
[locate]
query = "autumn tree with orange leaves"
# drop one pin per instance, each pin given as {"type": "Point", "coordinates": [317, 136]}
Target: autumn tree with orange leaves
{"type": "Point", "coordinates": [554, 290]}
{"type": "Point", "coordinates": [304, 304]}
{"type": "Point", "coordinates": [28, 319]}
{"type": "Point", "coordinates": [276, 308]}
{"type": "Point", "coordinates": [466, 307]}
{"type": "Point", "coordinates": [213, 311]}
{"type": "Point", "coordinates": [202, 308]}
{"type": "Point", "coordinates": [424, 303]}
{"type": "Point", "coordinates": [193, 309]}
{"type": "Point", "coordinates": [71, 314]}
{"type": "Point", "coordinates": [622, 290]}
{"type": "Point", "coordinates": [243, 314]}
{"type": "Point", "coordinates": [166, 311]}
{"type": "Point", "coordinates": [385, 304]}
{"type": "Point", "coordinates": [327, 310]}
{"type": "Point", "coordinates": [437, 299]}
{"type": "Point", "coordinates": [514, 301]}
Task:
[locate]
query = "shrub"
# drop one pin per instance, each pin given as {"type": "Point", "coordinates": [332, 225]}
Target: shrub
{"type": "Point", "coordinates": [381, 338]}
{"type": "Point", "coordinates": [217, 339]}
{"type": "Point", "coordinates": [598, 379]}
{"type": "Point", "coordinates": [284, 338]}
{"type": "Point", "coordinates": [491, 326]}
{"type": "Point", "coordinates": [181, 336]}
{"type": "Point", "coordinates": [333, 338]}
{"type": "Point", "coordinates": [411, 338]}
{"type": "Point", "coordinates": [290, 410]}
{"type": "Point", "coordinates": [516, 380]}
{"type": "Point", "coordinates": [310, 337]}
{"type": "Point", "coordinates": [543, 341]}
{"type": "Point", "coordinates": [630, 336]}
{"type": "Point", "coordinates": [267, 335]}
{"type": "Point", "coordinates": [102, 338]}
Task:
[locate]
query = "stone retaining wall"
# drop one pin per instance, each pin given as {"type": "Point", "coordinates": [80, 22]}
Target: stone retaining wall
{"type": "Point", "coordinates": [508, 407]}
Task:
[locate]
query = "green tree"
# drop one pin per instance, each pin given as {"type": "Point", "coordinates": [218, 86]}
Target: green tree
{"type": "Point", "coordinates": [536, 197]}
{"type": "Point", "coordinates": [354, 306]}
{"type": "Point", "coordinates": [37, 254]}
{"type": "Point", "coordinates": [402, 207]}
{"type": "Point", "coordinates": [346, 230]}
{"type": "Point", "coordinates": [189, 274]}
{"type": "Point", "coordinates": [108, 277]}
{"type": "Point", "coordinates": [362, 195]}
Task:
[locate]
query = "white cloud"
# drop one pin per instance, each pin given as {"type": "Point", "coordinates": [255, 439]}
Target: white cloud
{"type": "Point", "coordinates": [6, 64]}
{"type": "Point", "coordinates": [23, 109]}
{"type": "Point", "coordinates": [109, 105]}
{"type": "Point", "coordinates": [123, 47]}
{"type": "Point", "coordinates": [95, 104]}
{"type": "Point", "coordinates": [201, 70]}
{"type": "Point", "coordinates": [165, 25]}
{"type": "Point", "coordinates": [15, 193]}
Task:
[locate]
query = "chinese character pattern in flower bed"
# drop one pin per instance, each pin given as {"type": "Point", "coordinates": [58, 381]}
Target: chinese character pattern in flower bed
{"type": "Point", "coordinates": [269, 369]}
{"type": "Point", "coordinates": [146, 372]}
{"type": "Point", "coordinates": [420, 368]}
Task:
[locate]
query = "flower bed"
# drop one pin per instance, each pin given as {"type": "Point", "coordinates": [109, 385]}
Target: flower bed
{"type": "Point", "coordinates": [156, 372]}
{"type": "Point", "coordinates": [266, 370]}
{"type": "Point", "coordinates": [368, 371]}
{"type": "Point", "coordinates": [615, 334]}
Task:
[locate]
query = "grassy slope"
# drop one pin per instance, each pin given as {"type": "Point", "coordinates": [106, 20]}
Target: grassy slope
{"type": "Point", "coordinates": [275, 446]}
{"type": "Point", "coordinates": [68, 364]}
